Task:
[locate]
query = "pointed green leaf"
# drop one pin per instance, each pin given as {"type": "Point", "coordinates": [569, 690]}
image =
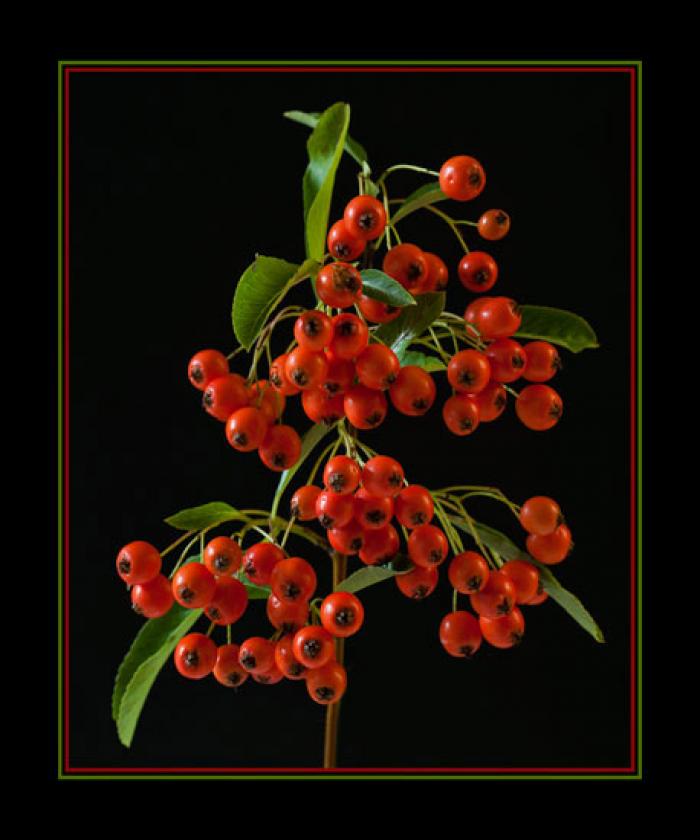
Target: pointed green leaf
{"type": "Point", "coordinates": [412, 322]}
{"type": "Point", "coordinates": [557, 326]}
{"type": "Point", "coordinates": [311, 438]}
{"type": "Point", "coordinates": [427, 194]}
{"type": "Point", "coordinates": [204, 516]}
{"type": "Point", "coordinates": [325, 147]}
{"type": "Point", "coordinates": [380, 286]}
{"type": "Point", "coordinates": [352, 147]}
{"type": "Point", "coordinates": [259, 289]}
{"type": "Point", "coordinates": [430, 363]}
{"type": "Point", "coordinates": [255, 592]}
{"type": "Point", "coordinates": [370, 575]}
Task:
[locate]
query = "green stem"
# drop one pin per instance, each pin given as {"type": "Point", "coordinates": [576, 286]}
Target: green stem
{"type": "Point", "coordinates": [406, 166]}
{"type": "Point", "coordinates": [454, 600]}
{"type": "Point", "coordinates": [450, 222]}
{"type": "Point", "coordinates": [176, 543]}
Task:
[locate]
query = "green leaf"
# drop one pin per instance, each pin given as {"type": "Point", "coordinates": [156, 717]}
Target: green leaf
{"type": "Point", "coordinates": [261, 286]}
{"type": "Point", "coordinates": [422, 197]}
{"type": "Point", "coordinates": [412, 322]}
{"type": "Point", "coordinates": [255, 592]}
{"type": "Point", "coordinates": [309, 441]}
{"type": "Point", "coordinates": [557, 326]}
{"type": "Point", "coordinates": [507, 549]}
{"type": "Point", "coordinates": [370, 575]}
{"type": "Point", "coordinates": [430, 363]}
{"type": "Point", "coordinates": [380, 286]}
{"type": "Point", "coordinates": [352, 147]}
{"type": "Point", "coordinates": [325, 147]}
{"type": "Point", "coordinates": [204, 516]}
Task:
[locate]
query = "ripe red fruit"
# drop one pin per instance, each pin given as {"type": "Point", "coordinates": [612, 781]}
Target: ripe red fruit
{"type": "Point", "coordinates": [350, 336]}
{"type": "Point", "coordinates": [152, 599]}
{"type": "Point", "coordinates": [327, 684]}
{"type": "Point", "coordinates": [313, 646]}
{"type": "Point", "coordinates": [206, 366]}
{"type": "Point", "coordinates": [288, 616]}
{"type": "Point", "coordinates": [539, 407]}
{"type": "Point", "coordinates": [303, 503]}
{"type": "Point", "coordinates": [195, 656]}
{"type": "Point", "coordinates": [270, 677]}
{"type": "Point", "coordinates": [494, 224]}
{"type": "Point", "coordinates": [268, 399]}
{"type": "Point", "coordinates": [227, 669]}
{"type": "Point", "coordinates": [414, 391]}
{"type": "Point", "coordinates": [342, 614]}
{"type": "Point", "coordinates": [414, 506]}
{"type": "Point", "coordinates": [342, 244]}
{"type": "Point", "coordinates": [427, 546]}
{"type": "Point", "coordinates": [468, 572]}
{"type": "Point", "coordinates": [257, 655]}
{"type": "Point", "coordinates": [438, 275]}
{"type": "Point", "coordinates": [472, 314]}
{"type": "Point", "coordinates": [225, 395]}
{"type": "Point", "coordinates": [339, 284]}
{"type": "Point", "coordinates": [498, 317]}
{"type": "Point", "coordinates": [285, 660]}
{"type": "Point", "coordinates": [320, 407]}
{"type": "Point", "coordinates": [342, 475]}
{"type": "Point", "coordinates": [462, 178]}
{"type": "Point", "coordinates": [372, 512]}
{"type": "Point", "coordinates": [365, 408]}
{"type": "Point", "coordinates": [229, 602]}
{"type": "Point", "coordinates": [539, 598]}
{"type": "Point", "coordinates": [306, 368]}
{"type": "Point", "coordinates": [293, 579]}
{"type": "Point", "coordinates": [550, 548]}
{"type": "Point", "coordinates": [194, 586]}
{"type": "Point", "coordinates": [347, 540]}
{"type": "Point", "coordinates": [543, 361]}
{"type": "Point", "coordinates": [507, 359]}
{"type": "Point", "coordinates": [491, 402]}
{"type": "Point", "coordinates": [540, 515]}
{"type": "Point", "coordinates": [339, 377]}
{"type": "Point", "coordinates": [419, 582]}
{"type": "Point", "coordinates": [383, 476]}
{"type": "Point", "coordinates": [333, 510]}
{"type": "Point", "coordinates": [281, 448]}
{"type": "Point", "coordinates": [469, 370]}
{"type": "Point", "coordinates": [525, 577]}
{"type": "Point", "coordinates": [138, 562]}
{"type": "Point", "coordinates": [407, 264]}
{"type": "Point", "coordinates": [313, 330]}
{"type": "Point", "coordinates": [377, 367]}
{"type": "Point", "coordinates": [503, 632]}
{"type": "Point", "coordinates": [259, 561]}
{"type": "Point", "coordinates": [461, 414]}
{"type": "Point", "coordinates": [246, 428]}
{"type": "Point", "coordinates": [381, 545]}
{"type": "Point", "coordinates": [376, 311]}
{"type": "Point", "coordinates": [478, 271]}
{"type": "Point", "coordinates": [460, 634]}
{"type": "Point", "coordinates": [496, 598]}
{"type": "Point", "coordinates": [278, 377]}
{"type": "Point", "coordinates": [365, 217]}
{"type": "Point", "coordinates": [223, 556]}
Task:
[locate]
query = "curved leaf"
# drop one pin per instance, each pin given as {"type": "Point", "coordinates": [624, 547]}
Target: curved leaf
{"type": "Point", "coordinates": [370, 575]}
{"type": "Point", "coordinates": [380, 286]}
{"type": "Point", "coordinates": [325, 147]}
{"type": "Point", "coordinates": [412, 322]}
{"type": "Point", "coordinates": [259, 288]}
{"type": "Point", "coordinates": [311, 438]}
{"type": "Point", "coordinates": [427, 194]}
{"type": "Point", "coordinates": [557, 326]}
{"type": "Point", "coordinates": [430, 363]}
{"type": "Point", "coordinates": [352, 147]}
{"type": "Point", "coordinates": [204, 516]}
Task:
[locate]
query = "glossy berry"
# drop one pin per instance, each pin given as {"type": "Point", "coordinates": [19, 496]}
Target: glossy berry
{"type": "Point", "coordinates": [303, 503]}
{"type": "Point", "coordinates": [195, 656]}
{"type": "Point", "coordinates": [414, 506]}
{"type": "Point", "coordinates": [469, 371]}
{"type": "Point", "coordinates": [288, 616]}
{"type": "Point", "coordinates": [293, 579]}
{"type": "Point", "coordinates": [350, 336]}
{"type": "Point", "coordinates": [342, 614]}
{"type": "Point", "coordinates": [313, 646]}
{"type": "Point", "coordinates": [551, 548]}
{"type": "Point", "coordinates": [539, 407]}
{"type": "Point", "coordinates": [229, 603]}
{"type": "Point", "coordinates": [525, 577]}
{"type": "Point", "coordinates": [365, 217]}
{"type": "Point", "coordinates": [494, 225]}
{"type": "Point", "coordinates": [376, 311]}
{"type": "Point", "coordinates": [268, 399]}
{"type": "Point", "coordinates": [281, 448]}
{"type": "Point", "coordinates": [496, 598]}
{"type": "Point", "coordinates": [381, 545]}
{"type": "Point", "coordinates": [206, 366]}
{"type": "Point", "coordinates": [461, 414]}
{"type": "Point", "coordinates": [491, 402]}
{"type": "Point", "coordinates": [259, 561]}
{"type": "Point", "coordinates": [498, 317]}
{"type": "Point", "coordinates": [344, 245]}
{"type": "Point", "coordinates": [227, 669]}
{"type": "Point", "coordinates": [383, 476]}
{"type": "Point", "coordinates": [272, 676]}
{"type": "Point", "coordinates": [306, 368]}
{"type": "Point", "coordinates": [154, 598]}
{"type": "Point", "coordinates": [225, 395]}
{"type": "Point", "coordinates": [246, 428]}
{"type": "Point", "coordinates": [507, 359]}
{"type": "Point", "coordinates": [285, 660]}
{"type": "Point", "coordinates": [365, 408]}
{"type": "Point", "coordinates": [472, 315]}
{"type": "Point", "coordinates": [460, 634]}
{"type": "Point", "coordinates": [377, 367]}
{"type": "Point", "coordinates": [223, 556]}
{"type": "Point", "coordinates": [407, 264]}
{"type": "Point", "coordinates": [543, 361]}
{"type": "Point", "coordinates": [327, 685]}
{"type": "Point", "coordinates": [372, 512]}
{"type": "Point", "coordinates": [427, 546]}
{"type": "Point", "coordinates": [278, 377]}
{"type": "Point", "coordinates": [462, 178]}
{"type": "Point", "coordinates": [342, 475]}
{"type": "Point", "coordinates": [313, 330]}
{"type": "Point", "coordinates": [468, 572]}
{"type": "Point", "coordinates": [504, 632]}
{"type": "Point", "coordinates": [438, 275]}
{"type": "Point", "coordinates": [138, 562]}
{"type": "Point", "coordinates": [478, 271]}
{"type": "Point", "coordinates": [339, 285]}
{"type": "Point", "coordinates": [540, 515]}
{"type": "Point", "coordinates": [257, 655]}
{"type": "Point", "coordinates": [194, 586]}
{"type": "Point", "coordinates": [414, 391]}
{"type": "Point", "coordinates": [321, 407]}
{"type": "Point", "coordinates": [347, 540]}
{"type": "Point", "coordinates": [419, 582]}
{"type": "Point", "coordinates": [333, 510]}
{"type": "Point", "coordinates": [539, 598]}
{"type": "Point", "coordinates": [340, 376]}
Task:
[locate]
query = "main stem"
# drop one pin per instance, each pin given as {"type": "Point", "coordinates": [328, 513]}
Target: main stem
{"type": "Point", "coordinates": [330, 742]}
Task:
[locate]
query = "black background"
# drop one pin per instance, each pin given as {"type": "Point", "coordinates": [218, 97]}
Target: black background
{"type": "Point", "coordinates": [177, 180]}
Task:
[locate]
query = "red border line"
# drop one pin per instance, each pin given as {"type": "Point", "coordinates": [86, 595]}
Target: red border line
{"type": "Point", "coordinates": [66, 419]}
{"type": "Point", "coordinates": [633, 414]}
{"type": "Point", "coordinates": [334, 69]}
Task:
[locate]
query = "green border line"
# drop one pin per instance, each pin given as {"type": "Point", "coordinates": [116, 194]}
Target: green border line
{"type": "Point", "coordinates": [638, 281]}
{"type": "Point", "coordinates": [59, 355]}
{"type": "Point", "coordinates": [340, 63]}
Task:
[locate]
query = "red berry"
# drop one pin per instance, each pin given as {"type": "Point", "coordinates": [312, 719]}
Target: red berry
{"type": "Point", "coordinates": [365, 217]}
{"type": "Point", "coordinates": [550, 548]}
{"type": "Point", "coordinates": [303, 503]}
{"type": "Point", "coordinates": [503, 632]}
{"type": "Point", "coordinates": [342, 475]}
{"type": "Point", "coordinates": [313, 330]}
{"type": "Point", "coordinates": [539, 407]}
{"type": "Point", "coordinates": [333, 510]}
{"type": "Point", "coordinates": [138, 562]}
{"type": "Point", "coordinates": [268, 399]}
{"type": "Point", "coordinates": [507, 359]}
{"type": "Point", "coordinates": [313, 646]}
{"type": "Point", "coordinates": [540, 515]}
{"type": "Point", "coordinates": [543, 361]}
{"type": "Point", "coordinates": [383, 476]}
{"type": "Point", "coordinates": [461, 414]}
{"type": "Point", "coordinates": [194, 586]}
{"type": "Point", "coordinates": [498, 317]}
{"type": "Point", "coordinates": [491, 402]}
{"type": "Point", "coordinates": [228, 670]}
{"type": "Point", "coordinates": [270, 677]}
{"type": "Point", "coordinates": [372, 512]}
{"type": "Point", "coordinates": [539, 598]}
{"type": "Point", "coordinates": [257, 655]}
{"type": "Point", "coordinates": [419, 582]}
{"type": "Point", "coordinates": [293, 579]}
{"type": "Point", "coordinates": [278, 377]}
{"type": "Point", "coordinates": [460, 634]}
{"type": "Point", "coordinates": [327, 684]}
{"type": "Point", "coordinates": [320, 407]}
{"type": "Point", "coordinates": [494, 224]}
{"type": "Point", "coordinates": [225, 395]}
{"type": "Point", "coordinates": [469, 370]}
{"type": "Point", "coordinates": [381, 545]}
{"type": "Point", "coordinates": [407, 264]}
{"type": "Point", "coordinates": [468, 572]}
{"type": "Point", "coordinates": [339, 284]}
{"type": "Point", "coordinates": [414, 506]}
{"type": "Point", "coordinates": [496, 598]}
{"type": "Point", "coordinates": [223, 556]}
{"type": "Point", "coordinates": [339, 377]}
{"type": "Point", "coordinates": [414, 391]}
{"type": "Point", "coordinates": [478, 271]}
{"type": "Point", "coordinates": [438, 275]}
{"type": "Point", "coordinates": [344, 245]}
{"type": "Point", "coordinates": [377, 367]}
{"type": "Point", "coordinates": [281, 448]}
{"type": "Point", "coordinates": [285, 660]}
{"type": "Point", "coordinates": [229, 602]}
{"type": "Point", "coordinates": [525, 577]}
{"type": "Point", "coordinates": [288, 616]}
{"type": "Point", "coordinates": [206, 366]}
{"type": "Point", "coordinates": [427, 546]}
{"type": "Point", "coordinates": [195, 656]}
{"type": "Point", "coordinates": [365, 408]}
{"type": "Point", "coordinates": [152, 599]}
{"type": "Point", "coordinates": [350, 336]}
{"type": "Point", "coordinates": [347, 540]}
{"type": "Point", "coordinates": [462, 178]}
{"type": "Point", "coordinates": [376, 311]}
{"type": "Point", "coordinates": [259, 561]}
{"type": "Point", "coordinates": [246, 428]}
{"type": "Point", "coordinates": [342, 614]}
{"type": "Point", "coordinates": [472, 315]}
{"type": "Point", "coordinates": [306, 368]}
